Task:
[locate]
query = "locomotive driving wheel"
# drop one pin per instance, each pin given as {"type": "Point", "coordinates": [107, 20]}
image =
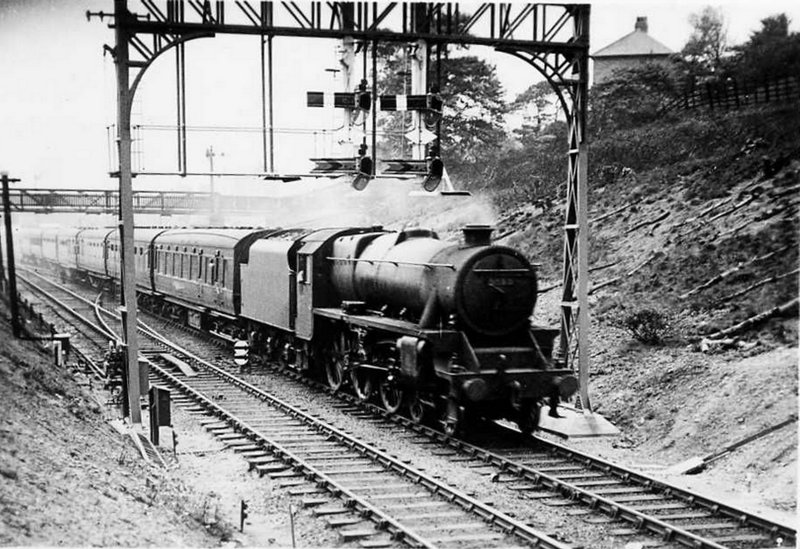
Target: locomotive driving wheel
{"type": "Point", "coordinates": [337, 363]}
{"type": "Point", "coordinates": [391, 394]}
{"type": "Point", "coordinates": [363, 382]}
{"type": "Point", "coordinates": [417, 410]}
{"type": "Point", "coordinates": [528, 419]}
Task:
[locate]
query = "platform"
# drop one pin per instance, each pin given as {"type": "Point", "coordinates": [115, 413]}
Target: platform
{"type": "Point", "coordinates": [575, 423]}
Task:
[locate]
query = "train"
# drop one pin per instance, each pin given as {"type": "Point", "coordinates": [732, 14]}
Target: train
{"type": "Point", "coordinates": [436, 330]}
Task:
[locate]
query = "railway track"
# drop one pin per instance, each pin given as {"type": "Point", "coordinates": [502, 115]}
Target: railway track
{"type": "Point", "coordinates": [294, 447]}
{"type": "Point", "coordinates": [385, 500]}
{"type": "Point", "coordinates": [276, 445]}
{"type": "Point", "coordinates": [585, 485]}
{"type": "Point", "coordinates": [551, 471]}
{"type": "Point", "coordinates": [73, 314]}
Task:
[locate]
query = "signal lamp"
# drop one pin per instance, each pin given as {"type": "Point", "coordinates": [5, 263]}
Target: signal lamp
{"type": "Point", "coordinates": [364, 173]}
{"type": "Point", "coordinates": [434, 176]}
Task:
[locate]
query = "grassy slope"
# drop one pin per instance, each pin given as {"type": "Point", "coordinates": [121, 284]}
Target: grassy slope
{"type": "Point", "coordinates": [672, 401]}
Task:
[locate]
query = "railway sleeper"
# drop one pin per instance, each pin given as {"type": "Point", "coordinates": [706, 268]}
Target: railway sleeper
{"type": "Point", "coordinates": [376, 543]}
{"type": "Point", "coordinates": [619, 490]}
{"type": "Point", "coordinates": [289, 423]}
{"type": "Point", "coordinates": [421, 505]}
{"type": "Point", "coordinates": [464, 538]}
{"type": "Point", "coordinates": [711, 526]}
{"type": "Point", "coordinates": [230, 436]}
{"type": "Point", "coordinates": [291, 482]}
{"type": "Point", "coordinates": [325, 450]}
{"type": "Point", "coordinates": [246, 448]}
{"type": "Point", "coordinates": [334, 510]}
{"type": "Point", "coordinates": [242, 442]}
{"type": "Point", "coordinates": [423, 517]}
{"type": "Point", "coordinates": [314, 502]}
{"type": "Point", "coordinates": [357, 533]}
{"type": "Point", "coordinates": [637, 498]}
{"type": "Point", "coordinates": [588, 475]}
{"type": "Point", "coordinates": [270, 468]}
{"type": "Point", "coordinates": [274, 429]}
{"type": "Point", "coordinates": [566, 470]}
{"type": "Point", "coordinates": [535, 461]}
{"type": "Point", "coordinates": [685, 516]}
{"type": "Point", "coordinates": [380, 488]}
{"type": "Point", "coordinates": [345, 460]}
{"type": "Point", "coordinates": [741, 538]}
{"type": "Point", "coordinates": [457, 526]}
{"type": "Point", "coordinates": [647, 506]}
{"type": "Point", "coordinates": [309, 446]}
{"type": "Point", "coordinates": [356, 471]}
{"type": "Point", "coordinates": [285, 474]}
{"type": "Point", "coordinates": [338, 522]}
{"type": "Point", "coordinates": [215, 423]}
{"type": "Point", "coordinates": [400, 496]}
{"type": "Point", "coordinates": [299, 439]}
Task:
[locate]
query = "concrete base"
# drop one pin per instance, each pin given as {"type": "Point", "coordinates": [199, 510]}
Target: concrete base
{"type": "Point", "coordinates": [576, 423]}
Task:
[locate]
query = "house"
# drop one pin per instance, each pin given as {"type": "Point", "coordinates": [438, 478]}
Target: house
{"type": "Point", "coordinates": [632, 50]}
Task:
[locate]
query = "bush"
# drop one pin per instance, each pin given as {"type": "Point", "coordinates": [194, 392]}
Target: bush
{"type": "Point", "coordinates": [650, 326]}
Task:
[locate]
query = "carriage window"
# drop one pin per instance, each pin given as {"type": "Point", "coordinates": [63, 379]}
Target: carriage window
{"type": "Point", "coordinates": [223, 268]}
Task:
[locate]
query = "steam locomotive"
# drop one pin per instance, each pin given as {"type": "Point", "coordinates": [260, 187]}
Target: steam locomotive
{"type": "Point", "coordinates": [437, 330]}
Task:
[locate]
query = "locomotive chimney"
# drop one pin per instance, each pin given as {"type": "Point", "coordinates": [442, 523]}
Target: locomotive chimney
{"type": "Point", "coordinates": [477, 235]}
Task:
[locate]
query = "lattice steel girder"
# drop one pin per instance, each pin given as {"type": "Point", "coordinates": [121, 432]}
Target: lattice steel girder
{"type": "Point", "coordinates": [554, 38]}
{"type": "Point", "coordinates": [546, 28]}
{"type": "Point", "coordinates": [99, 201]}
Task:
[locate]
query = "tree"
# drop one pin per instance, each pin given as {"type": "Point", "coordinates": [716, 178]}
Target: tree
{"type": "Point", "coordinates": [632, 97]}
{"type": "Point", "coordinates": [770, 52]}
{"type": "Point", "coordinates": [537, 104]}
{"type": "Point", "coordinates": [704, 52]}
{"type": "Point", "coordinates": [473, 109]}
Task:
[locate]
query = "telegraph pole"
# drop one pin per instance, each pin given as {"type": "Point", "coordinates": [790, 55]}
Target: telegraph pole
{"type": "Point", "coordinates": [128, 309]}
{"type": "Point", "coordinates": [12, 273]}
{"type": "Point", "coordinates": [214, 218]}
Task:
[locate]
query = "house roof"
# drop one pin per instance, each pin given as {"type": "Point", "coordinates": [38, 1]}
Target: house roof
{"type": "Point", "coordinates": [636, 43]}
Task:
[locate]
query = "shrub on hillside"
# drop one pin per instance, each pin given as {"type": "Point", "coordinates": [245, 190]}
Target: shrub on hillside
{"type": "Point", "coordinates": [647, 325]}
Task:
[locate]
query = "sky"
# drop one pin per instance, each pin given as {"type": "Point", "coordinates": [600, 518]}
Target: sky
{"type": "Point", "coordinates": [58, 89]}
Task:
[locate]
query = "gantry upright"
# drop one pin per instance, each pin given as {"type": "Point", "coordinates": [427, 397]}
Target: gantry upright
{"type": "Point", "coordinates": [552, 38]}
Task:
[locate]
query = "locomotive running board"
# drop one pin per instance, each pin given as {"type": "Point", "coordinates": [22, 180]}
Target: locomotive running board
{"type": "Point", "coordinates": [575, 423]}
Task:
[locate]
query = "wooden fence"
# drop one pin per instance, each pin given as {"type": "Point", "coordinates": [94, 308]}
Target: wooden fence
{"type": "Point", "coordinates": [733, 95]}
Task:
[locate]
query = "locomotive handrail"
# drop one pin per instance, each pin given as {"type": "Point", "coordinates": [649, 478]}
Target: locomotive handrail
{"type": "Point", "coordinates": [412, 263]}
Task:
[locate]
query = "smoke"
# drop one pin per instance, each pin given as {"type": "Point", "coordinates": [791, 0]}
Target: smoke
{"type": "Point", "coordinates": [390, 203]}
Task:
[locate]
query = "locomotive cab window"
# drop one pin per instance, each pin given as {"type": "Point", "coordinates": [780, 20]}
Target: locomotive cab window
{"type": "Point", "coordinates": [304, 269]}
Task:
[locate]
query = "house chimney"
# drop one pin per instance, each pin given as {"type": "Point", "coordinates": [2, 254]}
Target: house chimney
{"type": "Point", "coordinates": [641, 24]}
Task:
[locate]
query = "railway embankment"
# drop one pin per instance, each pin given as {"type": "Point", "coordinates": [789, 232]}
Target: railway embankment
{"type": "Point", "coordinates": [67, 477]}
{"type": "Point", "coordinates": [694, 229]}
